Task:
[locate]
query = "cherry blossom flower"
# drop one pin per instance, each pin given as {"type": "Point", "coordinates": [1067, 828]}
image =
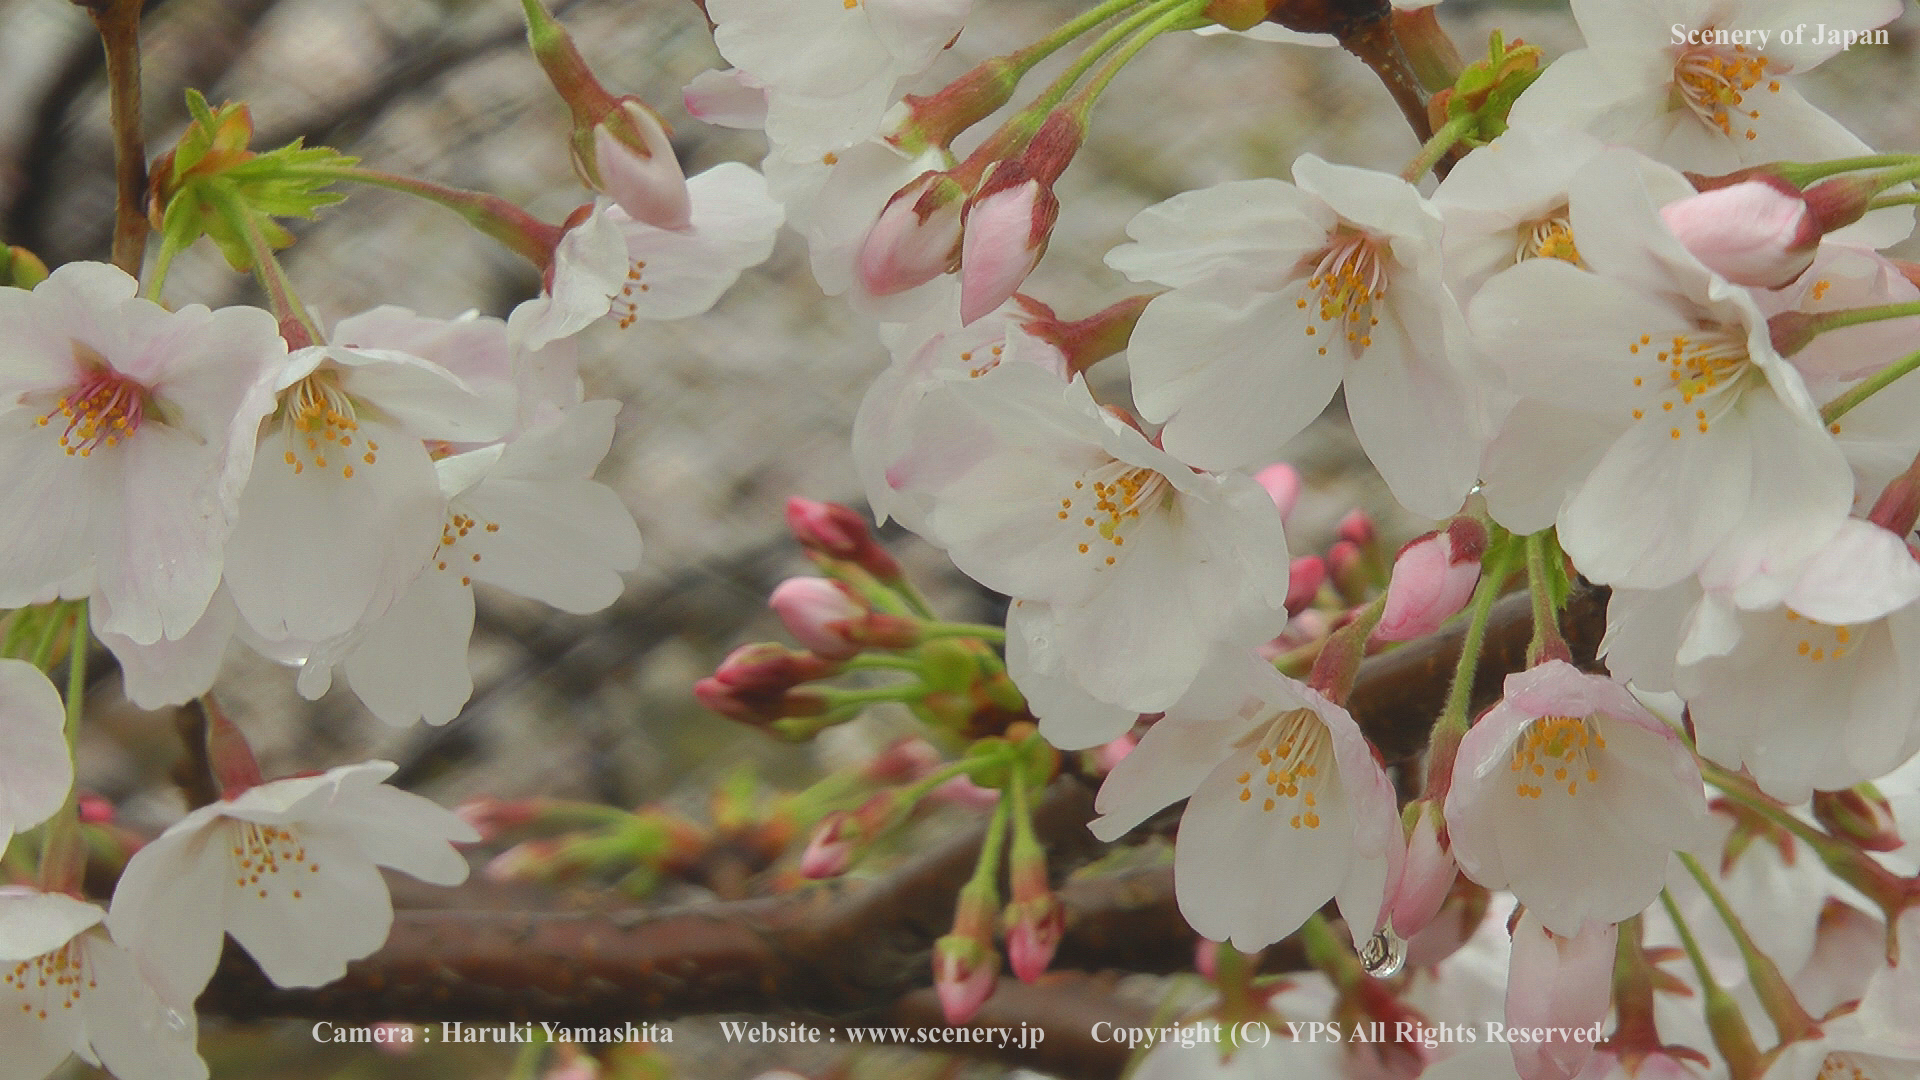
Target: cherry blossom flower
{"type": "Point", "coordinates": [1573, 795]}
{"type": "Point", "coordinates": [611, 263]}
{"type": "Point", "coordinates": [36, 770]}
{"type": "Point", "coordinates": [1143, 563]}
{"type": "Point", "coordinates": [1558, 981]}
{"type": "Point", "coordinates": [69, 989]}
{"type": "Point", "coordinates": [173, 672]}
{"type": "Point", "coordinates": [525, 516]}
{"type": "Point", "coordinates": [1280, 293]}
{"type": "Point", "coordinates": [340, 510]}
{"type": "Point", "coordinates": [1848, 276]}
{"type": "Point", "coordinates": [126, 434]}
{"type": "Point", "coordinates": [1775, 885]}
{"type": "Point", "coordinates": [1655, 421]}
{"type": "Point", "coordinates": [1287, 806]}
{"type": "Point", "coordinates": [289, 868]}
{"type": "Point", "coordinates": [1709, 108]}
{"type": "Point", "coordinates": [1758, 232]}
{"type": "Point", "coordinates": [727, 98]}
{"type": "Point", "coordinates": [831, 69]}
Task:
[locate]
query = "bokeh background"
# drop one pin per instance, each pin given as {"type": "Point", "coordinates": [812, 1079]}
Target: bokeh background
{"type": "Point", "coordinates": [725, 414]}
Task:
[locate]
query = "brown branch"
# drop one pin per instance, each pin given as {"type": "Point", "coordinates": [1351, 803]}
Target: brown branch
{"type": "Point", "coordinates": [119, 24]}
{"type": "Point", "coordinates": [849, 949]}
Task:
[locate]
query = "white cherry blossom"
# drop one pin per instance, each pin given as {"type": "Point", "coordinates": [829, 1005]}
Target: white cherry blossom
{"type": "Point", "coordinates": [290, 869]}
{"type": "Point", "coordinates": [1287, 806]}
{"type": "Point", "coordinates": [66, 988]}
{"type": "Point", "coordinates": [36, 771]}
{"type": "Point", "coordinates": [524, 515]}
{"type": "Point", "coordinates": [1655, 421]}
{"type": "Point", "coordinates": [1283, 292]}
{"type": "Point", "coordinates": [126, 434]}
{"type": "Point", "coordinates": [612, 264]}
{"type": "Point", "coordinates": [1573, 795]}
{"type": "Point", "coordinates": [1145, 564]}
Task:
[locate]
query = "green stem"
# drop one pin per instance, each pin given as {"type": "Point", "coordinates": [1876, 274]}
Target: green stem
{"type": "Point", "coordinates": [918, 603]}
{"type": "Point", "coordinates": [1057, 91]}
{"type": "Point", "coordinates": [1547, 643]}
{"type": "Point", "coordinates": [875, 661]}
{"type": "Point", "coordinates": [1729, 1028]}
{"type": "Point", "coordinates": [63, 852]}
{"type": "Point", "coordinates": [1080, 24]}
{"type": "Point", "coordinates": [983, 631]}
{"type": "Point", "coordinates": [1835, 320]}
{"type": "Point", "coordinates": [1330, 955]}
{"type": "Point", "coordinates": [49, 634]}
{"type": "Point", "coordinates": [839, 699]}
{"type": "Point", "coordinates": [1885, 201]}
{"type": "Point", "coordinates": [1436, 148]}
{"type": "Point", "coordinates": [515, 229]}
{"type": "Point", "coordinates": [986, 872]}
{"type": "Point", "coordinates": [1868, 387]}
{"type": "Point", "coordinates": [293, 315]}
{"type": "Point", "coordinates": [1802, 175]}
{"type": "Point", "coordinates": [1790, 1020]}
{"type": "Point", "coordinates": [1169, 18]}
{"type": "Point", "coordinates": [1493, 578]}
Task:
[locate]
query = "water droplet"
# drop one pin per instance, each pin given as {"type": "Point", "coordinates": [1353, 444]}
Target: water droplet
{"type": "Point", "coordinates": [1384, 954]}
{"type": "Point", "coordinates": [176, 1023]}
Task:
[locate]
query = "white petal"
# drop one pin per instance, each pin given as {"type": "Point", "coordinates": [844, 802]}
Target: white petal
{"type": "Point", "coordinates": [412, 663]}
{"type": "Point", "coordinates": [135, 1033]}
{"type": "Point", "coordinates": [36, 771]}
{"type": "Point", "coordinates": [734, 222]}
{"type": "Point", "coordinates": [173, 672]}
{"type": "Point", "coordinates": [342, 913]}
{"type": "Point", "coordinates": [400, 830]}
{"type": "Point", "coordinates": [167, 907]}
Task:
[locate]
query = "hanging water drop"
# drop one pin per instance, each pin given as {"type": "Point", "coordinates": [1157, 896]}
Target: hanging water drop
{"type": "Point", "coordinates": [1384, 954]}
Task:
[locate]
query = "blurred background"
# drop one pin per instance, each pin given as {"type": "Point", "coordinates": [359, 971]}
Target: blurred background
{"type": "Point", "coordinates": [725, 415]}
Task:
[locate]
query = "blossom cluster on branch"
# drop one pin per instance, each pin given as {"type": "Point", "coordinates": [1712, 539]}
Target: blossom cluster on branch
{"type": "Point", "coordinates": [1627, 317]}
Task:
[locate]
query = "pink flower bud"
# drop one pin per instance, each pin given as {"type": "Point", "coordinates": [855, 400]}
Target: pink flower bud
{"type": "Point", "coordinates": [905, 760]}
{"type": "Point", "coordinates": [1282, 481]}
{"type": "Point", "coordinates": [1107, 755]}
{"type": "Point", "coordinates": [1758, 232]}
{"type": "Point", "coordinates": [1206, 957]}
{"type": "Point", "coordinates": [963, 792]}
{"type": "Point", "coordinates": [94, 810]}
{"type": "Point", "coordinates": [819, 614]}
{"type": "Point", "coordinates": [1347, 566]}
{"type": "Point", "coordinates": [1304, 579]}
{"type": "Point", "coordinates": [1425, 878]}
{"type": "Point", "coordinates": [837, 532]}
{"type": "Point", "coordinates": [491, 816]}
{"type": "Point", "coordinates": [1357, 528]}
{"type": "Point", "coordinates": [1006, 233]}
{"type": "Point", "coordinates": [1860, 814]}
{"type": "Point", "coordinates": [916, 237]}
{"type": "Point", "coordinates": [1433, 578]}
{"type": "Point", "coordinates": [830, 851]}
{"type": "Point", "coordinates": [1034, 929]}
{"type": "Point", "coordinates": [635, 165]}
{"type": "Point", "coordinates": [727, 98]}
{"type": "Point", "coordinates": [963, 976]}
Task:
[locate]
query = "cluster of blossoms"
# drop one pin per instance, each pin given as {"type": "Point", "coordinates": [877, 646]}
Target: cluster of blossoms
{"type": "Point", "coordinates": [1642, 331]}
{"type": "Point", "coordinates": [1641, 337]}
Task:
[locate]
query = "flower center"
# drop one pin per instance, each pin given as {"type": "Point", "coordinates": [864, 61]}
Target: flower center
{"type": "Point", "coordinates": [1842, 1067]}
{"type": "Point", "coordinates": [101, 408]}
{"type": "Point", "coordinates": [1550, 238]}
{"type": "Point", "coordinates": [455, 530]}
{"type": "Point", "coordinates": [1714, 81]}
{"type": "Point", "coordinates": [1559, 744]}
{"type": "Point", "coordinates": [1107, 501]}
{"type": "Point", "coordinates": [624, 308]}
{"type": "Point", "coordinates": [1293, 748]}
{"type": "Point", "coordinates": [1348, 280]}
{"type": "Point", "coordinates": [1823, 641]}
{"type": "Point", "coordinates": [61, 975]}
{"type": "Point", "coordinates": [260, 852]}
{"type": "Point", "coordinates": [1696, 372]}
{"type": "Point", "coordinates": [315, 410]}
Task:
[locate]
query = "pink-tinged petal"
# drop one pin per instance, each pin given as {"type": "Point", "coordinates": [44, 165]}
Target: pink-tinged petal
{"type": "Point", "coordinates": [423, 398]}
{"type": "Point", "coordinates": [51, 501]}
{"type": "Point", "coordinates": [1558, 688]}
{"type": "Point", "coordinates": [316, 551]}
{"type": "Point", "coordinates": [167, 906]}
{"type": "Point", "coordinates": [158, 545]}
{"type": "Point", "coordinates": [1656, 507]}
{"type": "Point", "coordinates": [1862, 573]}
{"type": "Point", "coordinates": [1232, 231]}
{"type": "Point", "coordinates": [36, 771]}
{"type": "Point", "coordinates": [1169, 764]}
{"type": "Point", "coordinates": [589, 270]}
{"type": "Point", "coordinates": [727, 98]}
{"type": "Point", "coordinates": [1644, 630]}
{"type": "Point", "coordinates": [1558, 982]}
{"type": "Point", "coordinates": [685, 271]}
{"type": "Point", "coordinates": [412, 663]}
{"type": "Point", "coordinates": [134, 1033]}
{"type": "Point", "coordinates": [1005, 234]}
{"type": "Point", "coordinates": [916, 32]}
{"type": "Point", "coordinates": [1749, 233]}
{"type": "Point", "coordinates": [1426, 878]}
{"type": "Point", "coordinates": [646, 181]}
{"type": "Point", "coordinates": [306, 927]}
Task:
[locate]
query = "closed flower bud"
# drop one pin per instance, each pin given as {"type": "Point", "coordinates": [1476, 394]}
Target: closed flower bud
{"type": "Point", "coordinates": [1006, 234]}
{"type": "Point", "coordinates": [1282, 481]}
{"type": "Point", "coordinates": [1425, 878]}
{"type": "Point", "coordinates": [838, 533]}
{"type": "Point", "coordinates": [963, 976]}
{"type": "Point", "coordinates": [633, 163]}
{"type": "Point", "coordinates": [820, 614]}
{"type": "Point", "coordinates": [1758, 232]}
{"type": "Point", "coordinates": [1860, 814]}
{"type": "Point", "coordinates": [830, 851]}
{"type": "Point", "coordinates": [1304, 579]}
{"type": "Point", "coordinates": [916, 237]}
{"type": "Point", "coordinates": [1433, 578]}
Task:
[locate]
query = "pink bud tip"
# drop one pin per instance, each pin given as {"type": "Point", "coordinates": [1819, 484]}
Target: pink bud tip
{"type": "Point", "coordinates": [1033, 936]}
{"type": "Point", "coordinates": [818, 613]}
{"type": "Point", "coordinates": [1304, 579]}
{"type": "Point", "coordinates": [913, 240]}
{"type": "Point", "coordinates": [1357, 528]}
{"type": "Point", "coordinates": [1108, 755]}
{"type": "Point", "coordinates": [963, 976]}
{"type": "Point", "coordinates": [838, 532]}
{"type": "Point", "coordinates": [638, 168]}
{"type": "Point", "coordinates": [1751, 233]}
{"type": "Point", "coordinates": [1006, 234]}
{"type": "Point", "coordinates": [1431, 582]}
{"type": "Point", "coordinates": [94, 810]}
{"type": "Point", "coordinates": [1282, 481]}
{"type": "Point", "coordinates": [1206, 957]}
{"type": "Point", "coordinates": [828, 853]}
{"type": "Point", "coordinates": [903, 761]}
{"type": "Point", "coordinates": [1426, 879]}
